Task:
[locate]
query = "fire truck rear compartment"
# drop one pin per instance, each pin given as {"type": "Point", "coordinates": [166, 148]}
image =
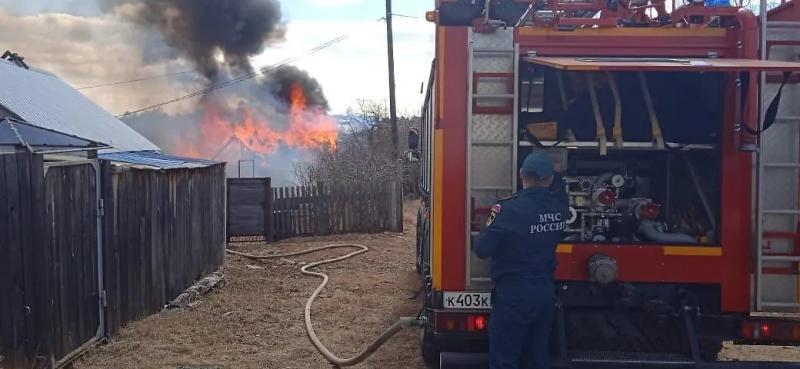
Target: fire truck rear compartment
{"type": "Point", "coordinates": [636, 192]}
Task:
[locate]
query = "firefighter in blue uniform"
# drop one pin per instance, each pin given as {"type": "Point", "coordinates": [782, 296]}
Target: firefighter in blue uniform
{"type": "Point", "coordinates": [520, 239]}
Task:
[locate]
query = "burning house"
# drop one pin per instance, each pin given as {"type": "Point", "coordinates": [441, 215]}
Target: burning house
{"type": "Point", "coordinates": [269, 116]}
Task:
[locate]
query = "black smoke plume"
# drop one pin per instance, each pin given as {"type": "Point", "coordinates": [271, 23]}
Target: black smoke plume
{"type": "Point", "coordinates": [279, 82]}
{"type": "Point", "coordinates": [204, 29]}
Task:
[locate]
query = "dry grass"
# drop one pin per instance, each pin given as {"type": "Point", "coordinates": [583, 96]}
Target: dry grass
{"type": "Point", "coordinates": [256, 319]}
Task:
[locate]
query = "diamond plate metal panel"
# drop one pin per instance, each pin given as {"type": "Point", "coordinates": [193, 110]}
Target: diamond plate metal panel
{"type": "Point", "coordinates": [492, 103]}
{"type": "Point", "coordinates": [783, 287]}
{"type": "Point", "coordinates": [780, 188]}
{"type": "Point", "coordinates": [500, 39]}
{"type": "Point", "coordinates": [478, 268]}
{"type": "Point", "coordinates": [493, 63]}
{"type": "Point", "coordinates": [779, 143]}
{"type": "Point", "coordinates": [775, 222]}
{"type": "Point", "coordinates": [789, 98]}
{"type": "Point", "coordinates": [491, 166]}
{"type": "Point", "coordinates": [486, 198]}
{"type": "Point", "coordinates": [494, 86]}
{"type": "Point", "coordinates": [492, 127]}
{"type": "Point", "coordinates": [497, 63]}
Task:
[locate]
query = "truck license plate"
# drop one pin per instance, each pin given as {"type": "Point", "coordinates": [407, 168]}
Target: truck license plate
{"type": "Point", "coordinates": [466, 300]}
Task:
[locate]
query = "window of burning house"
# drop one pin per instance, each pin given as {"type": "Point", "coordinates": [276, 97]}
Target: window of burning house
{"type": "Point", "coordinates": [637, 192]}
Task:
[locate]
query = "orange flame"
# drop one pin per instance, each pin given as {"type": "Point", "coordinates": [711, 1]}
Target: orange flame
{"type": "Point", "coordinates": [308, 127]}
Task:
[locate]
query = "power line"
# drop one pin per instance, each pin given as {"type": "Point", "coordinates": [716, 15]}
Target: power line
{"type": "Point", "coordinates": [238, 79]}
{"type": "Point", "coordinates": [157, 76]}
{"type": "Point", "coordinates": [406, 16]}
{"type": "Point", "coordinates": [140, 79]}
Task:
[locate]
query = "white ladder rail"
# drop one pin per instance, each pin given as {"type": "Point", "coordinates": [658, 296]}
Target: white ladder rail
{"type": "Point", "coordinates": [485, 55]}
{"type": "Point", "coordinates": [770, 171]}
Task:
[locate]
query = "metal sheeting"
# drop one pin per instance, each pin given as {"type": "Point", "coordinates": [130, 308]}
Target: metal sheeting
{"type": "Point", "coordinates": [155, 159]}
{"type": "Point", "coordinates": [46, 101]}
{"type": "Point", "coordinates": [14, 133]}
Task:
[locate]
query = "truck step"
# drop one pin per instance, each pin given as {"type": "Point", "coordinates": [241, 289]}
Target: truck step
{"type": "Point", "coordinates": [493, 96]}
{"type": "Point", "coordinates": [630, 357]}
{"type": "Point", "coordinates": [493, 51]}
{"type": "Point", "coordinates": [782, 165]}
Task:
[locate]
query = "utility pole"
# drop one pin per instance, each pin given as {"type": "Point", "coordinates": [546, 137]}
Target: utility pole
{"type": "Point", "coordinates": [398, 211]}
{"type": "Point", "coordinates": [392, 101]}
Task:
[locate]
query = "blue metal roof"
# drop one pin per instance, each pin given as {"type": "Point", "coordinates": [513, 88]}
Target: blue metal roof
{"type": "Point", "coordinates": [156, 159]}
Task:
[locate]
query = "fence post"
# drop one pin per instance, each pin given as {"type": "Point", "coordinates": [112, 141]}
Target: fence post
{"type": "Point", "coordinates": [269, 232]}
{"type": "Point", "coordinates": [396, 206]}
{"type": "Point", "coordinates": [227, 211]}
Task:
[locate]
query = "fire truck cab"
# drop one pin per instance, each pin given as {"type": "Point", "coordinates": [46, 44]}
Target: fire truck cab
{"type": "Point", "coordinates": [678, 135]}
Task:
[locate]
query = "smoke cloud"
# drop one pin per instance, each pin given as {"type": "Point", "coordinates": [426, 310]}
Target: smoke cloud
{"type": "Point", "coordinates": [279, 82]}
{"type": "Point", "coordinates": [212, 33]}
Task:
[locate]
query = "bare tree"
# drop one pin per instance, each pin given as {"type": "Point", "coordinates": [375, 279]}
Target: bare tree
{"type": "Point", "coordinates": [363, 155]}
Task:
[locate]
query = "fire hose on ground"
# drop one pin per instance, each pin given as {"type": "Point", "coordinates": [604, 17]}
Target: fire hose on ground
{"type": "Point", "coordinates": [402, 323]}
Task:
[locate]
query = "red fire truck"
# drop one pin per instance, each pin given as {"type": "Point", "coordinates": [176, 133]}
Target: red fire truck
{"type": "Point", "coordinates": [680, 158]}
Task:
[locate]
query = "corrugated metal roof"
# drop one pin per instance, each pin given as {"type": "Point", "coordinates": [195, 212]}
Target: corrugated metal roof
{"type": "Point", "coordinates": [13, 133]}
{"type": "Point", "coordinates": [44, 100]}
{"type": "Point", "coordinates": [156, 159]}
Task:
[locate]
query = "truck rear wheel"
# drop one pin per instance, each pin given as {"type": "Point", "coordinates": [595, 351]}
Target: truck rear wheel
{"type": "Point", "coordinates": [710, 349]}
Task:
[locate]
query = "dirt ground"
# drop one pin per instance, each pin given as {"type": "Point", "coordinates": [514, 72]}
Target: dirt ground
{"type": "Point", "coordinates": [256, 319]}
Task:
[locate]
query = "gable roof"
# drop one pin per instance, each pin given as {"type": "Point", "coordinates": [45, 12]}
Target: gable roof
{"type": "Point", "coordinates": [42, 99]}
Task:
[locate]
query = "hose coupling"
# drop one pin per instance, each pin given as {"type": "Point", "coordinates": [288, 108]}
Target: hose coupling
{"type": "Point", "coordinates": [413, 322]}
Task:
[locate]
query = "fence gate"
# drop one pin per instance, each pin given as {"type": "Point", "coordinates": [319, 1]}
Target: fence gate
{"type": "Point", "coordinates": [249, 208]}
{"type": "Point", "coordinates": [73, 213]}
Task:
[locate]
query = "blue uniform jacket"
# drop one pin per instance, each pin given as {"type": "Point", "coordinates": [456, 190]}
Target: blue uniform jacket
{"type": "Point", "coordinates": [523, 231]}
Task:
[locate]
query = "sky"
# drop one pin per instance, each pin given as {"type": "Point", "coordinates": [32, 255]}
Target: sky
{"type": "Point", "coordinates": [75, 40]}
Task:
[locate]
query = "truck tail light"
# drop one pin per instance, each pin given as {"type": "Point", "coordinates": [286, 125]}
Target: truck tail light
{"type": "Point", "coordinates": [480, 322]}
{"type": "Point", "coordinates": [461, 322]}
{"type": "Point", "coordinates": [771, 331]}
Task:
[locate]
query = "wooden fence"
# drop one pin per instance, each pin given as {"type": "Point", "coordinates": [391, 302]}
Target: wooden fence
{"type": "Point", "coordinates": [325, 210]}
{"type": "Point", "coordinates": [158, 231]}
{"type": "Point", "coordinates": [163, 230]}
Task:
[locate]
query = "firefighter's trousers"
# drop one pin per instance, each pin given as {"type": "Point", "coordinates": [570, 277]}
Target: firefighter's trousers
{"type": "Point", "coordinates": [519, 327]}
